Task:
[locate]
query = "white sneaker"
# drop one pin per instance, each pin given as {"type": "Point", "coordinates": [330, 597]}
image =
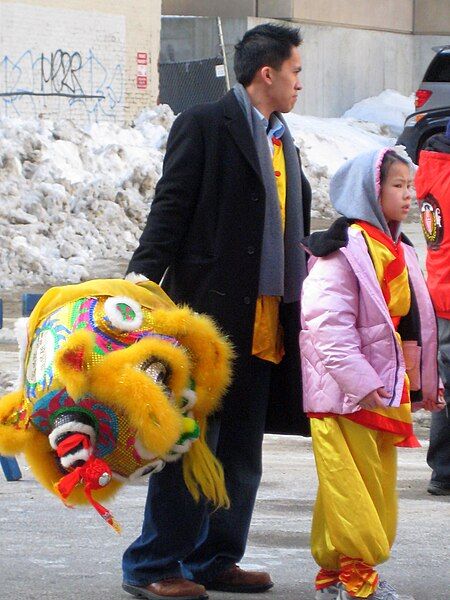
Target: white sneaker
{"type": "Point", "coordinates": [328, 593]}
{"type": "Point", "coordinates": [384, 591]}
{"type": "Point", "coordinates": [342, 594]}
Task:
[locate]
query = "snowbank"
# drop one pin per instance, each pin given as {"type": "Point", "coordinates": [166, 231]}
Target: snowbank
{"type": "Point", "coordinates": [7, 381]}
{"type": "Point", "coordinates": [388, 108]}
{"type": "Point", "coordinates": [73, 201]}
{"type": "Point", "coordinates": [325, 144]}
{"type": "Point", "coordinates": [69, 196]}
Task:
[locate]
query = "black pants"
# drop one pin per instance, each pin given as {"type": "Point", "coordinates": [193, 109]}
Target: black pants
{"type": "Point", "coordinates": [182, 538]}
{"type": "Point", "coordinates": [438, 456]}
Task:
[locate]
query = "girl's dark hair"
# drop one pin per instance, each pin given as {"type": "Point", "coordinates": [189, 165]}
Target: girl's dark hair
{"type": "Point", "coordinates": [389, 159]}
{"type": "Point", "coordinates": [264, 45]}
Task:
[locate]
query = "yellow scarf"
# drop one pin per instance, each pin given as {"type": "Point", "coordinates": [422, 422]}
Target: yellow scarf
{"type": "Point", "coordinates": [268, 332]}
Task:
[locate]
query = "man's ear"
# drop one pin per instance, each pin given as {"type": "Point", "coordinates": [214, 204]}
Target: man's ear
{"type": "Point", "coordinates": [72, 362]}
{"type": "Point", "coordinates": [266, 74]}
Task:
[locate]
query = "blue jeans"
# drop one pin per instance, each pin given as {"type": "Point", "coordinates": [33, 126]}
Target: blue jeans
{"type": "Point", "coordinates": [182, 538]}
{"type": "Point", "coordinates": [438, 456]}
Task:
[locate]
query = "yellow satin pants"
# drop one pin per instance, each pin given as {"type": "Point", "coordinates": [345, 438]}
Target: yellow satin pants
{"type": "Point", "coordinates": [355, 515]}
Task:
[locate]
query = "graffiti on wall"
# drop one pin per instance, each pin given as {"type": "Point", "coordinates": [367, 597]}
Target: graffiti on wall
{"type": "Point", "coordinates": [76, 82]}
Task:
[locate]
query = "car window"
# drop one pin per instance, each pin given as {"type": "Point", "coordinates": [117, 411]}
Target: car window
{"type": "Point", "coordinates": [439, 69]}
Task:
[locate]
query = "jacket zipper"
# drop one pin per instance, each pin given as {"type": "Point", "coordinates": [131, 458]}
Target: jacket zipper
{"type": "Point", "coordinates": [396, 368]}
{"type": "Point", "coordinates": [350, 259]}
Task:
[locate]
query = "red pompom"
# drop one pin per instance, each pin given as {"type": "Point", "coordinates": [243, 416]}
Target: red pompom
{"type": "Point", "coordinates": [96, 473]}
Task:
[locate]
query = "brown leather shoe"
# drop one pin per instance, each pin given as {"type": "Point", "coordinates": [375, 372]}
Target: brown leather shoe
{"type": "Point", "coordinates": [176, 588]}
{"type": "Point", "coordinates": [238, 580]}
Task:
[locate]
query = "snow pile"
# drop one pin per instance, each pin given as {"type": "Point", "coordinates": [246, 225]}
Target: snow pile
{"type": "Point", "coordinates": [325, 144]}
{"type": "Point", "coordinates": [7, 381]}
{"type": "Point", "coordinates": [74, 201]}
{"type": "Point", "coordinates": [388, 108]}
{"type": "Point", "coordinates": [69, 195]}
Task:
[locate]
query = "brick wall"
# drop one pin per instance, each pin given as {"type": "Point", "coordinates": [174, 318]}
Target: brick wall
{"type": "Point", "coordinates": [88, 60]}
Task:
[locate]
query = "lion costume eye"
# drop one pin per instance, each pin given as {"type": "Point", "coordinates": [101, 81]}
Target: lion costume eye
{"type": "Point", "coordinates": [157, 370]}
{"type": "Point", "coordinates": [123, 313]}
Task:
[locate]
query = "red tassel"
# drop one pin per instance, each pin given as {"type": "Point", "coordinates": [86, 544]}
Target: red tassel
{"type": "Point", "coordinates": [66, 484]}
{"type": "Point", "coordinates": [102, 511]}
{"type": "Point", "coordinates": [94, 474]}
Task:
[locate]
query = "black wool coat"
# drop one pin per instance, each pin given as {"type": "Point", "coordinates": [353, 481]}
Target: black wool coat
{"type": "Point", "coordinates": [204, 235]}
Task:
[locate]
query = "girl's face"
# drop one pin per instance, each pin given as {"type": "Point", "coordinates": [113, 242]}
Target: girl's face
{"type": "Point", "coordinates": [395, 194]}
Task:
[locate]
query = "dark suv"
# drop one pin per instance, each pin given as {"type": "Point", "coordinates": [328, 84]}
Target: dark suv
{"type": "Point", "coordinates": [432, 105]}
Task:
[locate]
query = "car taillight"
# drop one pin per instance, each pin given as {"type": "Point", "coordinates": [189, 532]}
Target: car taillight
{"type": "Point", "coordinates": [421, 97]}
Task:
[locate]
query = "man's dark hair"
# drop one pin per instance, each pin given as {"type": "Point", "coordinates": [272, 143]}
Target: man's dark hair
{"type": "Point", "coordinates": [264, 45]}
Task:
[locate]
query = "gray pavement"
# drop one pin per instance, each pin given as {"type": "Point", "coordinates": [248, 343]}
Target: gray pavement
{"type": "Point", "coordinates": [50, 552]}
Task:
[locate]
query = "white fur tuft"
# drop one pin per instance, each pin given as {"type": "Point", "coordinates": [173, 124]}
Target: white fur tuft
{"type": "Point", "coordinates": [116, 321]}
{"type": "Point", "coordinates": [135, 277]}
{"type": "Point", "coordinates": [69, 459]}
{"type": "Point", "coordinates": [21, 332]}
{"type": "Point", "coordinates": [71, 427]}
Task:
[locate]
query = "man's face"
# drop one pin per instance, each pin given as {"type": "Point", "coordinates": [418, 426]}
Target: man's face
{"type": "Point", "coordinates": [285, 83]}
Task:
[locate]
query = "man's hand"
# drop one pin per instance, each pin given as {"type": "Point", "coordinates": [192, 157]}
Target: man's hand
{"type": "Point", "coordinates": [373, 399]}
{"type": "Point", "coordinates": [435, 405]}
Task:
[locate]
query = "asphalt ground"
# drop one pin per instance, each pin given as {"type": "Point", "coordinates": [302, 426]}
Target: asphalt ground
{"type": "Point", "coordinates": [50, 552]}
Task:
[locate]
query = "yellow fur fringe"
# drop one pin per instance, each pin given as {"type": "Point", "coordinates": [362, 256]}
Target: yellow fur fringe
{"type": "Point", "coordinates": [13, 439]}
{"type": "Point", "coordinates": [158, 423]}
{"type": "Point", "coordinates": [212, 353]}
{"type": "Point", "coordinates": [203, 473]}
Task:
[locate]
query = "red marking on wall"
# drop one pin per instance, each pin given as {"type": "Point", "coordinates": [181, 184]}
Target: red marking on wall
{"type": "Point", "coordinates": [141, 82]}
{"type": "Point", "coordinates": [142, 58]}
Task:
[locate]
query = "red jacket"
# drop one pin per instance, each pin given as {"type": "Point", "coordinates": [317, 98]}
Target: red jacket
{"type": "Point", "coordinates": [433, 194]}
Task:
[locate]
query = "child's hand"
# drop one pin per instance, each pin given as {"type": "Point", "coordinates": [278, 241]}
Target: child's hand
{"type": "Point", "coordinates": [373, 399]}
{"type": "Point", "coordinates": [435, 404]}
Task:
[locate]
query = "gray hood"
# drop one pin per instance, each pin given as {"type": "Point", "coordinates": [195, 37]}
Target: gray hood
{"type": "Point", "coordinates": [355, 190]}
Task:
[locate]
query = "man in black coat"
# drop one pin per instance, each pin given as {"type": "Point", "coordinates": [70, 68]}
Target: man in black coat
{"type": "Point", "coordinates": [224, 235]}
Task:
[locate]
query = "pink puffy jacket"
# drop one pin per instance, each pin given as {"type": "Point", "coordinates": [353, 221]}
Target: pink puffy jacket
{"type": "Point", "coordinates": [348, 343]}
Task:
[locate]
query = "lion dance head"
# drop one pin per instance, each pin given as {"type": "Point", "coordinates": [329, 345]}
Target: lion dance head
{"type": "Point", "coordinates": [116, 381]}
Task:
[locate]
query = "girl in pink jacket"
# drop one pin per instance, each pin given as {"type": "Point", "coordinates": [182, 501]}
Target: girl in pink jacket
{"type": "Point", "coordinates": [369, 349]}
